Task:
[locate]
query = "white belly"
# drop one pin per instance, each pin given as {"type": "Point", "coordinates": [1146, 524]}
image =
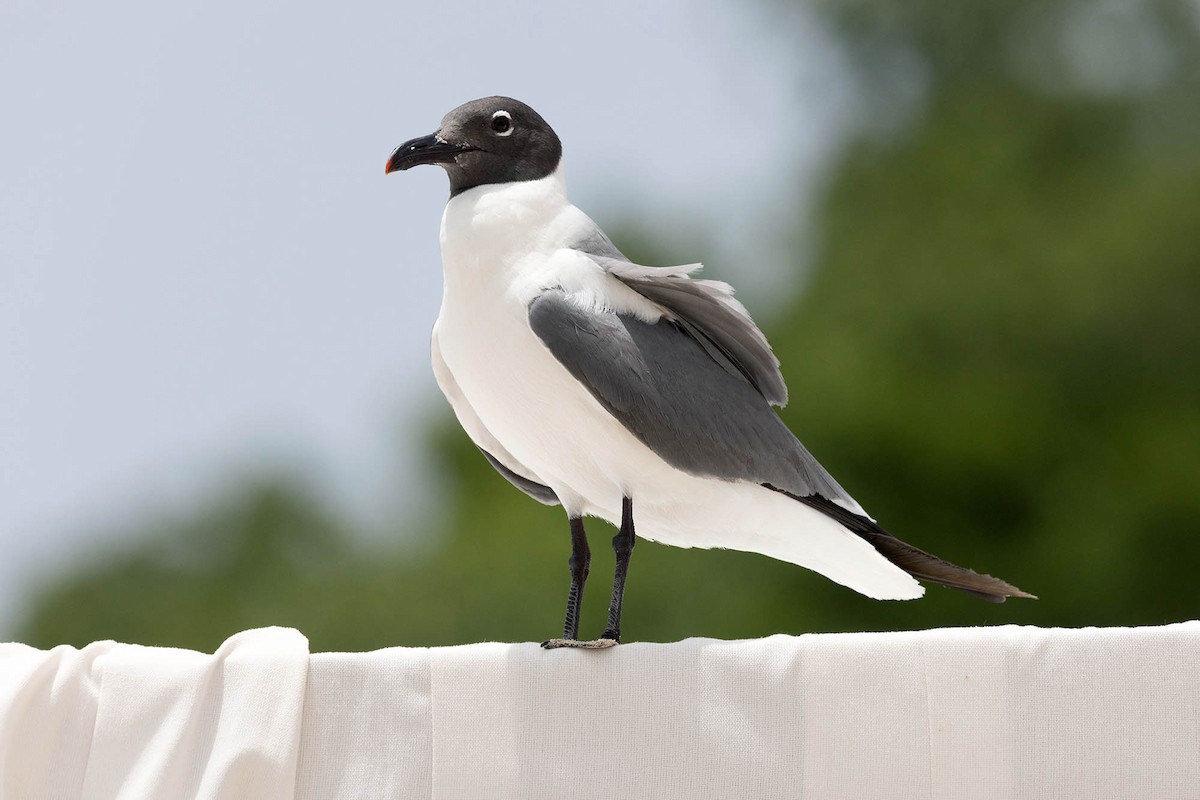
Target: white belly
{"type": "Point", "coordinates": [538, 411]}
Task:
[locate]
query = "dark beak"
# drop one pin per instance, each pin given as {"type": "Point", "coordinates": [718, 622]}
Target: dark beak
{"type": "Point", "coordinates": [424, 150]}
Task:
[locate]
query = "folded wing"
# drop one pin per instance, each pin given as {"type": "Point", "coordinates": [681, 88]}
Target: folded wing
{"type": "Point", "coordinates": [664, 384]}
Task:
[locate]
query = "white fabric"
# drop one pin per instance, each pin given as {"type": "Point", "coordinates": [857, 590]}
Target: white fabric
{"type": "Point", "coordinates": [956, 714]}
{"type": "Point", "coordinates": [121, 721]}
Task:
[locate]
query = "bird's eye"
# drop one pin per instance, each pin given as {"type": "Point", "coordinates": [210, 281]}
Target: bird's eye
{"type": "Point", "coordinates": [502, 123]}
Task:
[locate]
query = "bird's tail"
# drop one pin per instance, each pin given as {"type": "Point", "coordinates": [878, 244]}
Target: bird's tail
{"type": "Point", "coordinates": [916, 562]}
{"type": "Point", "coordinates": [927, 567]}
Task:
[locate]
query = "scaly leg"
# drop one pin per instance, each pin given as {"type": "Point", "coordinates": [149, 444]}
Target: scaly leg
{"type": "Point", "coordinates": [581, 558]}
{"type": "Point", "coordinates": [580, 561]}
{"type": "Point", "coordinates": [622, 544]}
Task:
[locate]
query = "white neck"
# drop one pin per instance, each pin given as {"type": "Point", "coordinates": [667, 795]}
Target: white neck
{"type": "Point", "coordinates": [502, 222]}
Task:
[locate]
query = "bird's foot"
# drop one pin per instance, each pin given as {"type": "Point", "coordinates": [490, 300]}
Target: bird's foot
{"type": "Point", "coordinates": [592, 644]}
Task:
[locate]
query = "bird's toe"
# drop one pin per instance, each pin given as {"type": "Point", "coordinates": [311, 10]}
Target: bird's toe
{"type": "Point", "coordinates": [577, 644]}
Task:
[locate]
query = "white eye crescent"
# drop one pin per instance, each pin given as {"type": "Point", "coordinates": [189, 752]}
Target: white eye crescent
{"type": "Point", "coordinates": [502, 123]}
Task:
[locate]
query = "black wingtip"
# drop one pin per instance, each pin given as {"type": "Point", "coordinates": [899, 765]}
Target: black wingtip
{"type": "Point", "coordinates": [913, 560]}
{"type": "Point", "coordinates": [928, 567]}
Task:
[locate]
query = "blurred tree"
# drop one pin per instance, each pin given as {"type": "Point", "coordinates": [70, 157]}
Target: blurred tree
{"type": "Point", "coordinates": [1002, 337]}
{"type": "Point", "coordinates": [998, 354]}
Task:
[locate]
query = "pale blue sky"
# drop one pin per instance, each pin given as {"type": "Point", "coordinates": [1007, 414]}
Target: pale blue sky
{"type": "Point", "coordinates": [204, 271]}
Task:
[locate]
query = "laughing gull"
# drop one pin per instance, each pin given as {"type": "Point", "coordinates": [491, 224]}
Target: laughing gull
{"type": "Point", "coordinates": [592, 382]}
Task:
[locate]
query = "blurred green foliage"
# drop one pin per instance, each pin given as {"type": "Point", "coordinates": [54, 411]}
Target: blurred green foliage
{"type": "Point", "coordinates": [998, 353]}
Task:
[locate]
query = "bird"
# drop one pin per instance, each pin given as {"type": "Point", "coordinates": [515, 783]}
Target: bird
{"type": "Point", "coordinates": [627, 392]}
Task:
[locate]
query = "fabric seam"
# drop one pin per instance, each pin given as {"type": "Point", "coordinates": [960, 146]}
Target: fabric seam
{"type": "Point", "coordinates": [433, 793]}
{"type": "Point", "coordinates": [928, 718]}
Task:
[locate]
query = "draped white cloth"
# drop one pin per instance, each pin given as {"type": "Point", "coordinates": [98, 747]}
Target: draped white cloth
{"type": "Point", "coordinates": [954, 714]}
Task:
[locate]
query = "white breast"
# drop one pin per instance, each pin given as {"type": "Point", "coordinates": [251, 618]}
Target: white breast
{"type": "Point", "coordinates": [502, 246]}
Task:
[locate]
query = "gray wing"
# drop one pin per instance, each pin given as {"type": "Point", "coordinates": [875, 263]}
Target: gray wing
{"type": "Point", "coordinates": [497, 455]}
{"type": "Point", "coordinates": [665, 386]}
{"type": "Point", "coordinates": [706, 309]}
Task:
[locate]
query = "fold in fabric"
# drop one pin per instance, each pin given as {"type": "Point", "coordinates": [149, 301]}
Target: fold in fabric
{"type": "Point", "coordinates": [115, 721]}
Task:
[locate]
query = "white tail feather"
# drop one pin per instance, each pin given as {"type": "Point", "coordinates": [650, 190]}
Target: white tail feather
{"type": "Point", "coordinates": [751, 518]}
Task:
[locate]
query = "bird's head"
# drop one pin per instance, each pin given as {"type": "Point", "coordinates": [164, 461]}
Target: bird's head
{"type": "Point", "coordinates": [485, 141]}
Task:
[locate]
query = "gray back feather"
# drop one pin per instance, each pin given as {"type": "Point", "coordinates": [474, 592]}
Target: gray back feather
{"type": "Point", "coordinates": [705, 309]}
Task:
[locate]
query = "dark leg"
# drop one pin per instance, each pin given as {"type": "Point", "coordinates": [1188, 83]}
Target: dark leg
{"type": "Point", "coordinates": [581, 558]}
{"type": "Point", "coordinates": [623, 546]}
